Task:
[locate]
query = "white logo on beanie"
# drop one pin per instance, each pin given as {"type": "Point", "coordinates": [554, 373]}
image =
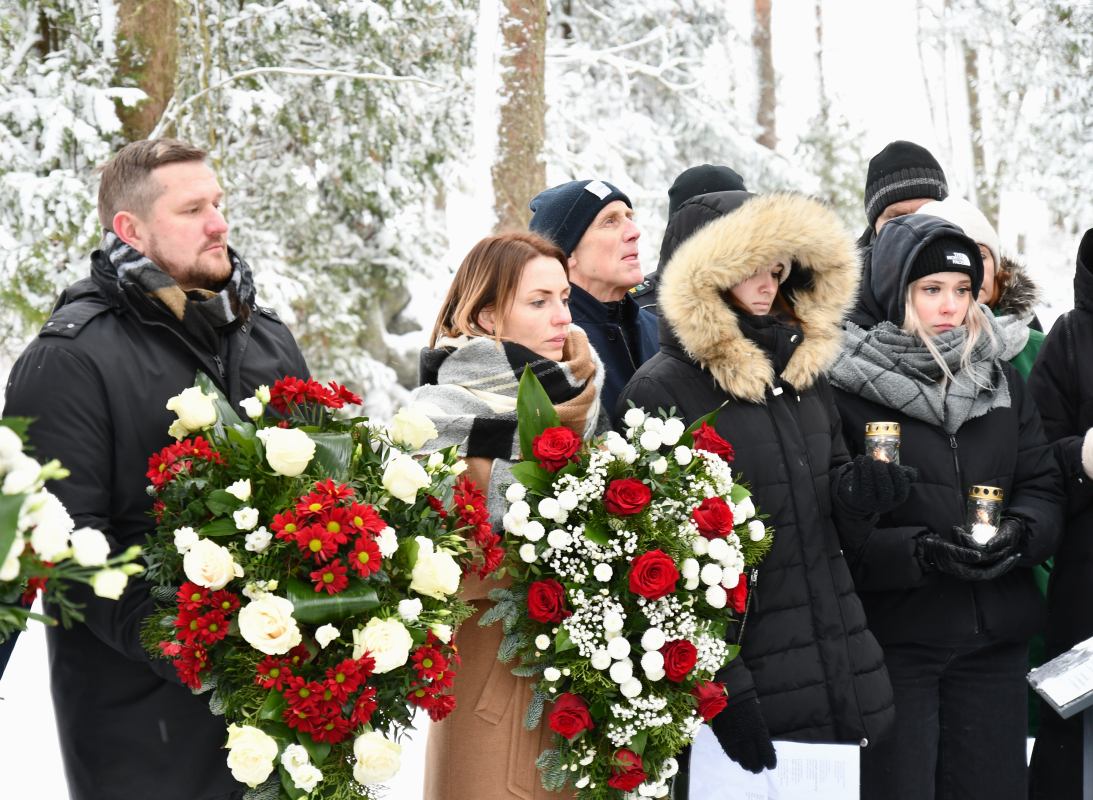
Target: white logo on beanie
{"type": "Point", "coordinates": [960, 259]}
{"type": "Point", "coordinates": [598, 188]}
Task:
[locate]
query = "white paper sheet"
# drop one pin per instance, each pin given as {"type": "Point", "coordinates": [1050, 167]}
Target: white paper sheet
{"type": "Point", "coordinates": [804, 772]}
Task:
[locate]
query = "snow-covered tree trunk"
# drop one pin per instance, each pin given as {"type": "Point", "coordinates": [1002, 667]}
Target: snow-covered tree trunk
{"type": "Point", "coordinates": [761, 39]}
{"type": "Point", "coordinates": [986, 190]}
{"type": "Point", "coordinates": [519, 173]}
{"type": "Point", "coordinates": [148, 57]}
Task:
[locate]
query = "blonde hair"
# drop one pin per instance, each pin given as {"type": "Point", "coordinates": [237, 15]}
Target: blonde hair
{"type": "Point", "coordinates": [975, 321]}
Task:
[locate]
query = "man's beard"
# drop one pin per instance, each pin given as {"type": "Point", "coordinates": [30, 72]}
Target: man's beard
{"type": "Point", "coordinates": [209, 273]}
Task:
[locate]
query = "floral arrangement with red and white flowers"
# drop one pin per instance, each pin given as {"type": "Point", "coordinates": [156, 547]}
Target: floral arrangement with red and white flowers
{"type": "Point", "coordinates": [630, 556]}
{"type": "Point", "coordinates": [40, 548]}
{"type": "Point", "coordinates": [309, 566]}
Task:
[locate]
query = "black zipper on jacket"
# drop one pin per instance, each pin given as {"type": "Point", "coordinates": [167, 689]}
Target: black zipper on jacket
{"type": "Point", "coordinates": [219, 366]}
{"type": "Point", "coordinates": [959, 505]}
{"type": "Point", "coordinates": [747, 605]}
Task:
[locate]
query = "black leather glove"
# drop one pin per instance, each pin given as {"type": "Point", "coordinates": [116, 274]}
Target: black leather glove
{"type": "Point", "coordinates": [874, 487]}
{"type": "Point", "coordinates": [963, 559]}
{"type": "Point", "coordinates": [1008, 538]}
{"type": "Point", "coordinates": [743, 735]}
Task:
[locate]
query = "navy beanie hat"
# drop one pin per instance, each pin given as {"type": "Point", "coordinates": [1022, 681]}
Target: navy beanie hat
{"type": "Point", "coordinates": [563, 213]}
{"type": "Point", "coordinates": [902, 171]}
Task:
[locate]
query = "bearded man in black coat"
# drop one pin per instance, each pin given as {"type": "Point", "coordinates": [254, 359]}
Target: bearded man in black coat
{"type": "Point", "coordinates": [166, 298]}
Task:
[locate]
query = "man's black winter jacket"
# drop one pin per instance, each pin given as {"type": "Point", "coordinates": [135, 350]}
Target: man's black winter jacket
{"type": "Point", "coordinates": [97, 379]}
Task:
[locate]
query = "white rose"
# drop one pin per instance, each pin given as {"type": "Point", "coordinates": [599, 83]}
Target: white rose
{"type": "Point", "coordinates": [672, 430]}
{"type": "Point", "coordinates": [634, 417]}
{"type": "Point", "coordinates": [652, 662]}
{"type": "Point", "coordinates": [527, 553]}
{"type": "Point", "coordinates": [412, 429]}
{"type": "Point", "coordinates": [583, 781]}
{"type": "Point", "coordinates": [9, 570]}
{"type": "Point", "coordinates": [718, 549]}
{"type": "Point", "coordinates": [700, 546]}
{"type": "Point", "coordinates": [194, 408]}
{"type": "Point", "coordinates": [612, 622]}
{"type": "Point", "coordinates": [650, 440]}
{"type": "Point", "coordinates": [716, 596]}
{"type": "Point", "coordinates": [551, 674]}
{"type": "Point", "coordinates": [262, 393]}
{"type": "Point", "coordinates": [745, 509]}
{"type": "Point", "coordinates": [756, 530]}
{"type": "Point", "coordinates": [690, 584]}
{"type": "Point", "coordinates": [689, 568]}
{"type": "Point", "coordinates": [559, 538]}
{"type": "Point", "coordinates": [306, 777]}
{"type": "Point", "coordinates": [178, 430]}
{"type": "Point", "coordinates": [730, 578]}
{"type": "Point", "coordinates": [683, 455]}
{"type": "Point", "coordinates": [602, 572]}
{"type": "Point", "coordinates": [631, 688]}
{"type": "Point", "coordinates": [386, 640]}
{"type": "Point", "coordinates": [568, 500]}
{"type": "Point", "coordinates": [442, 632]}
{"type": "Point", "coordinates": [109, 583]}
{"type": "Point", "coordinates": [711, 574]}
{"type": "Point", "coordinates": [515, 493]}
{"type": "Point", "coordinates": [252, 407]}
{"type": "Point", "coordinates": [653, 639]}
{"type": "Point", "coordinates": [89, 547]}
{"type": "Point", "coordinates": [542, 641]}
{"type": "Point", "coordinates": [660, 466]}
{"type": "Point", "coordinates": [621, 671]}
{"type": "Point", "coordinates": [326, 634]}
{"type": "Point", "coordinates": [240, 490]}
{"type": "Point", "coordinates": [10, 445]}
{"type": "Point", "coordinates": [250, 754]}
{"type": "Point", "coordinates": [520, 510]}
{"type": "Point", "coordinates": [245, 518]}
{"type": "Point", "coordinates": [294, 757]}
{"type": "Point", "coordinates": [435, 574]}
{"type": "Point", "coordinates": [600, 660]}
{"type": "Point", "coordinates": [549, 507]}
{"type": "Point", "coordinates": [409, 610]}
{"type": "Point", "coordinates": [459, 467]}
{"type": "Point", "coordinates": [50, 537]}
{"type": "Point", "coordinates": [404, 477]}
{"type": "Point", "coordinates": [185, 538]}
{"type": "Point", "coordinates": [267, 625]}
{"type": "Point", "coordinates": [619, 648]}
{"type": "Point", "coordinates": [288, 450]}
{"type": "Point", "coordinates": [210, 565]}
{"type": "Point", "coordinates": [23, 474]}
{"type": "Point", "coordinates": [387, 542]}
{"type": "Point", "coordinates": [377, 758]}
{"type": "Point", "coordinates": [435, 460]}
{"type": "Point", "coordinates": [258, 541]}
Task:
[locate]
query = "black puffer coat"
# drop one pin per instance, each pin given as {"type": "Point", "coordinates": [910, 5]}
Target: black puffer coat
{"type": "Point", "coordinates": [97, 379]}
{"type": "Point", "coordinates": [818, 673]}
{"type": "Point", "coordinates": [1062, 384]}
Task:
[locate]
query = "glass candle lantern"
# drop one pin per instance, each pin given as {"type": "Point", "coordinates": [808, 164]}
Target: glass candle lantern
{"type": "Point", "coordinates": [984, 513]}
{"type": "Point", "coordinates": [882, 441]}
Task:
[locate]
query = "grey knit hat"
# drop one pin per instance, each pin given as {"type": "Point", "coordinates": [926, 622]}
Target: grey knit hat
{"type": "Point", "coordinates": [902, 171]}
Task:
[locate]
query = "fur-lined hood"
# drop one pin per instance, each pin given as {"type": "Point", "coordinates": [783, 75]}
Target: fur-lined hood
{"type": "Point", "coordinates": [1019, 294]}
{"type": "Point", "coordinates": [822, 286]}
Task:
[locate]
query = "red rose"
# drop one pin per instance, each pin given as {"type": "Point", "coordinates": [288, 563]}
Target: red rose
{"type": "Point", "coordinates": [626, 497]}
{"type": "Point", "coordinates": [653, 575]}
{"type": "Point", "coordinates": [713, 518]}
{"type": "Point", "coordinates": [706, 438]}
{"type": "Point", "coordinates": [679, 659]}
{"type": "Point", "coordinates": [555, 447]}
{"type": "Point", "coordinates": [626, 773]}
{"type": "Point", "coordinates": [546, 601]}
{"type": "Point", "coordinates": [711, 699]}
{"type": "Point", "coordinates": [738, 597]}
{"type": "Point", "coordinates": [570, 716]}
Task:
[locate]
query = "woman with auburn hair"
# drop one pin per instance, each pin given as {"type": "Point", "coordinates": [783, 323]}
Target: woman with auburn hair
{"type": "Point", "coordinates": [507, 309]}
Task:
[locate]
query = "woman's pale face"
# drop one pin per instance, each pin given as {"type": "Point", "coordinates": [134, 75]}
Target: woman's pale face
{"type": "Point", "coordinates": [986, 292]}
{"type": "Point", "coordinates": [757, 293]}
{"type": "Point", "coordinates": [942, 300]}
{"type": "Point", "coordinates": [538, 317]}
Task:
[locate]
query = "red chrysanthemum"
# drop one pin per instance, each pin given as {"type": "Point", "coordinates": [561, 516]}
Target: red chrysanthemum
{"type": "Point", "coordinates": [331, 578]}
{"type": "Point", "coordinates": [429, 663]}
{"type": "Point", "coordinates": [365, 519]}
{"type": "Point", "coordinates": [333, 728]}
{"type": "Point", "coordinates": [286, 526]}
{"type": "Point", "coordinates": [35, 585]}
{"type": "Point", "coordinates": [315, 540]}
{"type": "Point", "coordinates": [192, 597]}
{"type": "Point", "coordinates": [342, 680]}
{"type": "Point", "coordinates": [443, 705]}
{"type": "Point", "coordinates": [224, 601]}
{"type": "Point", "coordinates": [297, 655]}
{"type": "Point", "coordinates": [366, 665]}
{"type": "Point", "coordinates": [302, 694]}
{"type": "Point", "coordinates": [272, 674]}
{"type": "Point", "coordinates": [159, 508]}
{"type": "Point", "coordinates": [303, 718]}
{"type": "Point", "coordinates": [197, 448]}
{"type": "Point", "coordinates": [287, 392]}
{"type": "Point", "coordinates": [311, 505]}
{"type": "Point", "coordinates": [437, 505]}
{"type": "Point", "coordinates": [337, 491]}
{"type": "Point", "coordinates": [162, 467]}
{"type": "Point", "coordinates": [423, 696]}
{"type": "Point", "coordinates": [211, 627]}
{"type": "Point", "coordinates": [444, 681]}
{"type": "Point", "coordinates": [170, 648]}
{"type": "Point", "coordinates": [470, 503]}
{"type": "Point", "coordinates": [364, 708]}
{"type": "Point", "coordinates": [191, 663]}
{"type": "Point", "coordinates": [186, 626]}
{"type": "Point", "coordinates": [365, 557]}
{"type": "Point", "coordinates": [344, 394]}
{"type": "Point", "coordinates": [492, 556]}
{"type": "Point", "coordinates": [336, 522]}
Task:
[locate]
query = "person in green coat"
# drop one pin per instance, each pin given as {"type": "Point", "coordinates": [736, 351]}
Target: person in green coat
{"type": "Point", "coordinates": [1009, 292]}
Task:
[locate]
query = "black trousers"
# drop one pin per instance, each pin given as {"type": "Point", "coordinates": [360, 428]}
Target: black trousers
{"type": "Point", "coordinates": [1056, 769]}
{"type": "Point", "coordinates": [961, 720]}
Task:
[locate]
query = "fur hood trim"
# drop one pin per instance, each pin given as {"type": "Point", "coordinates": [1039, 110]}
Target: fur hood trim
{"type": "Point", "coordinates": [1020, 294]}
{"type": "Point", "coordinates": [734, 247]}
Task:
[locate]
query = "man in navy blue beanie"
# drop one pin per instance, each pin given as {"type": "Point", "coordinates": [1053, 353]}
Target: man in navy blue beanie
{"type": "Point", "coordinates": [593, 222]}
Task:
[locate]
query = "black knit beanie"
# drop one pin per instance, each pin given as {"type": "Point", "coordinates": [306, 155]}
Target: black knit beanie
{"type": "Point", "coordinates": [563, 213]}
{"type": "Point", "coordinates": [702, 180]}
{"type": "Point", "coordinates": [946, 254]}
{"type": "Point", "coordinates": [902, 171]}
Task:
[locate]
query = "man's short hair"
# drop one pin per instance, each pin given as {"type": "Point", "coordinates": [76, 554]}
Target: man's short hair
{"type": "Point", "coordinates": [127, 183]}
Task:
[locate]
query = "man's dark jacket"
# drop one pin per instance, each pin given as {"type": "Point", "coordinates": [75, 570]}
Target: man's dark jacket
{"type": "Point", "coordinates": [806, 654]}
{"type": "Point", "coordinates": [1061, 382]}
{"type": "Point", "coordinates": [624, 336]}
{"type": "Point", "coordinates": [97, 379]}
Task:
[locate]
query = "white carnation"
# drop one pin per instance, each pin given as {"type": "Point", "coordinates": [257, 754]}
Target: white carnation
{"type": "Point", "coordinates": [634, 417]}
{"type": "Point", "coordinates": [660, 466]}
{"type": "Point", "coordinates": [245, 518]}
{"type": "Point", "coordinates": [621, 672]}
{"type": "Point", "coordinates": [719, 549]}
{"type": "Point", "coordinates": [534, 531]}
{"type": "Point", "coordinates": [716, 596]}
{"type": "Point", "coordinates": [551, 674]}
{"type": "Point", "coordinates": [683, 455]}
{"type": "Point", "coordinates": [601, 660]}
{"type": "Point", "coordinates": [409, 610]}
{"type": "Point", "coordinates": [568, 500]}
{"type": "Point", "coordinates": [691, 584]}
{"type": "Point", "coordinates": [756, 530]}
{"type": "Point", "coordinates": [602, 572]}
{"type": "Point", "coordinates": [441, 631]}
{"type": "Point", "coordinates": [109, 583]}
{"type": "Point", "coordinates": [744, 509]}
{"type": "Point", "coordinates": [387, 542]}
{"type": "Point", "coordinates": [258, 541]}
{"type": "Point", "coordinates": [653, 639]}
{"type": "Point", "coordinates": [240, 490]}
{"type": "Point", "coordinates": [700, 546]}
{"type": "Point", "coordinates": [672, 430]}
{"type": "Point", "coordinates": [527, 553]}
{"type": "Point", "coordinates": [631, 688]}
{"type": "Point", "coordinates": [616, 445]}
{"type": "Point", "coordinates": [559, 538]}
{"type": "Point", "coordinates": [650, 440]}
{"type": "Point", "coordinates": [711, 574]}
{"type": "Point", "coordinates": [542, 641]}
{"type": "Point", "coordinates": [185, 538]}
{"type": "Point", "coordinates": [549, 507]}
{"type": "Point", "coordinates": [612, 622]}
{"type": "Point", "coordinates": [520, 510]}
{"type": "Point", "coordinates": [515, 493]}
{"type": "Point", "coordinates": [326, 634]}
{"type": "Point", "coordinates": [652, 662]}
{"type": "Point", "coordinates": [730, 578]}
{"type": "Point", "coordinates": [89, 547]}
{"type": "Point", "coordinates": [689, 568]}
{"type": "Point", "coordinates": [619, 648]}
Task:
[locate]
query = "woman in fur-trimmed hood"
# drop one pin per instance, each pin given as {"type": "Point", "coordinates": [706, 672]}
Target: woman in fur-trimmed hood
{"type": "Point", "coordinates": [751, 307]}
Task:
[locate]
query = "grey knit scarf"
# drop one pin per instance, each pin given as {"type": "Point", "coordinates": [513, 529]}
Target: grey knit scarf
{"type": "Point", "coordinates": [887, 366]}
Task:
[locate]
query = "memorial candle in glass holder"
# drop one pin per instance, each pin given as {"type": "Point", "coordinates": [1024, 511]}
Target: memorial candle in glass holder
{"type": "Point", "coordinates": [984, 513]}
{"type": "Point", "coordinates": [882, 441]}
